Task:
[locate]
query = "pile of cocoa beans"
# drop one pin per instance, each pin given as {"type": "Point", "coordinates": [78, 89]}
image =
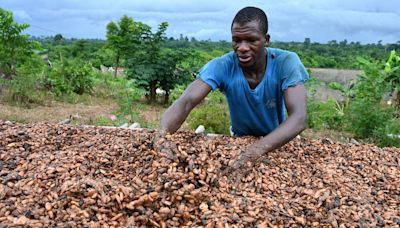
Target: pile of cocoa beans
{"type": "Point", "coordinates": [74, 176]}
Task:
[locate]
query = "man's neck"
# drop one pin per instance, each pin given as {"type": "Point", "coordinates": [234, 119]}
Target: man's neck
{"type": "Point", "coordinates": [256, 73]}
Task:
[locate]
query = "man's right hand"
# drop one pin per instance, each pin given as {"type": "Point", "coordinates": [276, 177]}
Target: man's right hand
{"type": "Point", "coordinates": [164, 146]}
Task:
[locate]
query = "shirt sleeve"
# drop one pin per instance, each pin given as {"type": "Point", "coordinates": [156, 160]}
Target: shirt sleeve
{"type": "Point", "coordinates": [293, 72]}
{"type": "Point", "coordinates": [213, 73]}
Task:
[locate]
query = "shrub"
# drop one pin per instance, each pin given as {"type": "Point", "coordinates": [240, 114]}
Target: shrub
{"type": "Point", "coordinates": [26, 87]}
{"type": "Point", "coordinates": [213, 114]}
{"type": "Point", "coordinates": [70, 77]}
{"type": "Point", "coordinates": [366, 117]}
{"type": "Point", "coordinates": [325, 115]}
{"type": "Point", "coordinates": [365, 113]}
{"type": "Point", "coordinates": [128, 97]}
{"type": "Point", "coordinates": [388, 134]}
{"type": "Point", "coordinates": [176, 93]}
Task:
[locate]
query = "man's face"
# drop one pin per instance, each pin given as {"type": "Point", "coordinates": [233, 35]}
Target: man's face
{"type": "Point", "coordinates": [248, 42]}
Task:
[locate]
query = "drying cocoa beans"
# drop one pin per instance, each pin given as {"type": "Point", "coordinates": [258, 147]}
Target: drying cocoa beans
{"type": "Point", "coordinates": [74, 176]}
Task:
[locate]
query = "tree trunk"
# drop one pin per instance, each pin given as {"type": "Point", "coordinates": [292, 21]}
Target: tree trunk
{"type": "Point", "coordinates": [116, 66]}
{"type": "Point", "coordinates": [8, 72]}
{"type": "Point", "coordinates": [153, 94]}
{"type": "Point", "coordinates": [11, 71]}
{"type": "Point", "coordinates": [166, 97]}
{"type": "Point", "coordinates": [13, 66]}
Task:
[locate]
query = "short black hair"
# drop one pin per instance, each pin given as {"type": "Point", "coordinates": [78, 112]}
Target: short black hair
{"type": "Point", "coordinates": [249, 14]}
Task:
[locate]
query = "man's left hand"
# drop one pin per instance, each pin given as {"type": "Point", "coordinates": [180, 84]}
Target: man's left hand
{"type": "Point", "coordinates": [243, 164]}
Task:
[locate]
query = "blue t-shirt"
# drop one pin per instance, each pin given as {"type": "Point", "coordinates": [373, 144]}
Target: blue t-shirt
{"type": "Point", "coordinates": [256, 111]}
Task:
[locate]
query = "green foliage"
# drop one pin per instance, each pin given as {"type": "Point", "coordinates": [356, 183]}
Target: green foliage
{"type": "Point", "coordinates": [388, 134]}
{"type": "Point", "coordinates": [26, 86]}
{"type": "Point", "coordinates": [125, 36]}
{"type": "Point", "coordinates": [15, 48]}
{"type": "Point", "coordinates": [177, 92]}
{"type": "Point", "coordinates": [156, 67]}
{"type": "Point", "coordinates": [325, 115]}
{"type": "Point", "coordinates": [337, 86]}
{"type": "Point", "coordinates": [58, 38]}
{"type": "Point", "coordinates": [369, 90]}
{"type": "Point", "coordinates": [23, 90]}
{"type": "Point", "coordinates": [337, 55]}
{"type": "Point", "coordinates": [103, 56]}
{"type": "Point", "coordinates": [362, 113]}
{"type": "Point", "coordinates": [312, 84]}
{"type": "Point", "coordinates": [70, 77]}
{"type": "Point", "coordinates": [128, 96]}
{"type": "Point", "coordinates": [212, 114]}
{"type": "Point", "coordinates": [392, 75]}
{"type": "Point", "coordinates": [392, 70]}
{"type": "Point", "coordinates": [170, 70]}
{"type": "Point", "coordinates": [365, 117]}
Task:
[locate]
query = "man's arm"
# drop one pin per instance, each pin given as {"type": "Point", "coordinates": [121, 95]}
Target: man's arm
{"type": "Point", "coordinates": [177, 113]}
{"type": "Point", "coordinates": [296, 105]}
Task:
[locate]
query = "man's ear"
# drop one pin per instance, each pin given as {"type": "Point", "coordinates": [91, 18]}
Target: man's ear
{"type": "Point", "coordinates": [267, 37]}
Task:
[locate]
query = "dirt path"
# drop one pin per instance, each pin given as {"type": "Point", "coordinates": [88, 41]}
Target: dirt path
{"type": "Point", "coordinates": [56, 112]}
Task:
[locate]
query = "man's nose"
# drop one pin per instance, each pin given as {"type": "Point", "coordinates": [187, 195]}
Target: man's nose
{"type": "Point", "coordinates": [243, 47]}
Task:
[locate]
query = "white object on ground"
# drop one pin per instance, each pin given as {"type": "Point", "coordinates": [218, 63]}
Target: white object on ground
{"type": "Point", "coordinates": [353, 141]}
{"type": "Point", "coordinates": [160, 91]}
{"type": "Point", "coordinates": [125, 125]}
{"type": "Point", "coordinates": [66, 121]}
{"type": "Point", "coordinates": [200, 129]}
{"type": "Point", "coordinates": [393, 136]}
{"type": "Point", "coordinates": [214, 135]}
{"type": "Point", "coordinates": [134, 125]}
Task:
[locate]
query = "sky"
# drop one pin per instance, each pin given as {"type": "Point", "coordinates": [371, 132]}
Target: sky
{"type": "Point", "coordinates": [365, 21]}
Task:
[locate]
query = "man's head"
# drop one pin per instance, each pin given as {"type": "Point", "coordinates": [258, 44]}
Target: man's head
{"type": "Point", "coordinates": [250, 37]}
{"type": "Point", "coordinates": [249, 14]}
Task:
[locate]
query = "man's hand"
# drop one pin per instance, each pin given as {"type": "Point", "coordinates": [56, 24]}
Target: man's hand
{"type": "Point", "coordinates": [164, 146]}
{"type": "Point", "coordinates": [244, 162]}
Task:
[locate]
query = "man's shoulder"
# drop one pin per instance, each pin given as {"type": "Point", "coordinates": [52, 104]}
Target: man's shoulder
{"type": "Point", "coordinates": [227, 57]}
{"type": "Point", "coordinates": [226, 60]}
{"type": "Point", "coordinates": [281, 54]}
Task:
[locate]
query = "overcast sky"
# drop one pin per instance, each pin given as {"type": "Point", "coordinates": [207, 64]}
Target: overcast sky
{"type": "Point", "coordinates": [367, 21]}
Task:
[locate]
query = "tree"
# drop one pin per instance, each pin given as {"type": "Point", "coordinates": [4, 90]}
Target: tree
{"type": "Point", "coordinates": [58, 39]}
{"type": "Point", "coordinates": [157, 67]}
{"type": "Point", "coordinates": [170, 70]}
{"type": "Point", "coordinates": [14, 46]}
{"type": "Point", "coordinates": [124, 36]}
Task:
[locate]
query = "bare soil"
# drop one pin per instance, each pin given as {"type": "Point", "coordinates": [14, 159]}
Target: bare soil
{"type": "Point", "coordinates": [58, 111]}
{"type": "Point", "coordinates": [343, 76]}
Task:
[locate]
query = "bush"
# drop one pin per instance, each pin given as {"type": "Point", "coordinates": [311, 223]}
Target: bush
{"type": "Point", "coordinates": [325, 115]}
{"type": "Point", "coordinates": [70, 77]}
{"type": "Point", "coordinates": [23, 90]}
{"type": "Point", "coordinates": [26, 87]}
{"type": "Point", "coordinates": [365, 114]}
{"type": "Point", "coordinates": [213, 114]}
{"type": "Point", "coordinates": [388, 134]}
{"type": "Point", "coordinates": [128, 96]}
{"type": "Point", "coordinates": [366, 117]}
{"type": "Point", "coordinates": [176, 93]}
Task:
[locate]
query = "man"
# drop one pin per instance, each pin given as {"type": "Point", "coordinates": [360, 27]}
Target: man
{"type": "Point", "coordinates": [258, 83]}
